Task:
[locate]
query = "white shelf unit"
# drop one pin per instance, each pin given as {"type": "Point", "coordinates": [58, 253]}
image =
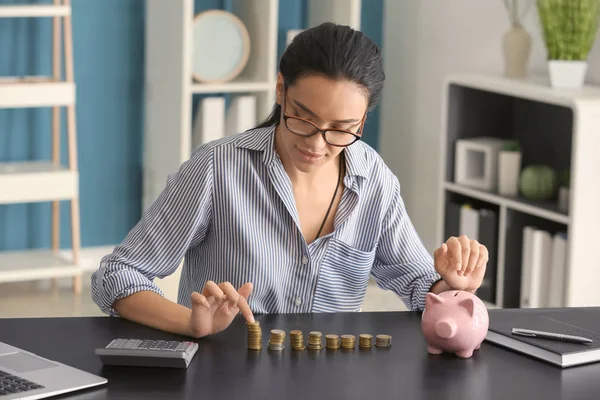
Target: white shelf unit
{"type": "Point", "coordinates": [554, 127]}
{"type": "Point", "coordinates": [44, 180]}
{"type": "Point", "coordinates": [169, 83]}
{"type": "Point", "coordinates": [170, 87]}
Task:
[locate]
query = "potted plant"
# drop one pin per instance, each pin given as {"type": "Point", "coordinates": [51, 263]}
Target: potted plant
{"type": "Point", "coordinates": [516, 42]}
{"type": "Point", "coordinates": [569, 29]}
{"type": "Point", "coordinates": [509, 167]}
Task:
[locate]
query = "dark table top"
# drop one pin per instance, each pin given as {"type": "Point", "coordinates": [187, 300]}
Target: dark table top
{"type": "Point", "coordinates": [223, 368]}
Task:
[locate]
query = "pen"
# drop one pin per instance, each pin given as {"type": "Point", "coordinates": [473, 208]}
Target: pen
{"type": "Point", "coordinates": [550, 335]}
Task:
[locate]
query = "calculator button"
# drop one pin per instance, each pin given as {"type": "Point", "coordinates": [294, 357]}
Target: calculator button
{"type": "Point", "coordinates": [171, 345]}
{"type": "Point", "coordinates": [181, 347]}
{"type": "Point", "coordinates": [130, 344]}
{"type": "Point", "coordinates": [116, 344]}
{"type": "Point", "coordinates": [144, 344]}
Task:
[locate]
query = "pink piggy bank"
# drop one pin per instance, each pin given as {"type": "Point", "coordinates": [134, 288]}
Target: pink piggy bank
{"type": "Point", "coordinates": [454, 321]}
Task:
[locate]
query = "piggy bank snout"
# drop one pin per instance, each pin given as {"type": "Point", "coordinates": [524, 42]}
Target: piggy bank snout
{"type": "Point", "coordinates": [446, 328]}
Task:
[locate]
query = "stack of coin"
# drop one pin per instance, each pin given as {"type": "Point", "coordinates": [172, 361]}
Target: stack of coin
{"type": "Point", "coordinates": [348, 341]}
{"type": "Point", "coordinates": [314, 340]}
{"type": "Point", "coordinates": [383, 341]}
{"type": "Point", "coordinates": [365, 340]}
{"type": "Point", "coordinates": [276, 340]}
{"type": "Point", "coordinates": [297, 340]}
{"type": "Point", "coordinates": [333, 341]}
{"type": "Point", "coordinates": [254, 335]}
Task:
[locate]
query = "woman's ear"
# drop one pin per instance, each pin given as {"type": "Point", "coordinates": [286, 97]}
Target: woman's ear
{"type": "Point", "coordinates": [279, 88]}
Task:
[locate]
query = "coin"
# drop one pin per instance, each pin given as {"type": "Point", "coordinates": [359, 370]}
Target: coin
{"type": "Point", "coordinates": [383, 340]}
{"type": "Point", "coordinates": [332, 341]}
{"type": "Point", "coordinates": [365, 340]}
{"type": "Point", "coordinates": [348, 341]}
{"type": "Point", "coordinates": [297, 340]}
{"type": "Point", "coordinates": [276, 340]}
{"type": "Point", "coordinates": [254, 335]}
{"type": "Point", "coordinates": [314, 340]}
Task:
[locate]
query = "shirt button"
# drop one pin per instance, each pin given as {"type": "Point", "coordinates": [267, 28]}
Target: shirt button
{"type": "Point", "coordinates": [304, 260]}
{"type": "Point", "coordinates": [298, 301]}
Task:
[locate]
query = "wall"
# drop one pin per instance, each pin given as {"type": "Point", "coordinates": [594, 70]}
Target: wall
{"type": "Point", "coordinates": [424, 42]}
{"type": "Point", "coordinates": [108, 49]}
{"type": "Point", "coordinates": [109, 71]}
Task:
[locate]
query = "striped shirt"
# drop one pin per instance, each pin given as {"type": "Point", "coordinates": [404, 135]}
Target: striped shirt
{"type": "Point", "coordinates": [229, 213]}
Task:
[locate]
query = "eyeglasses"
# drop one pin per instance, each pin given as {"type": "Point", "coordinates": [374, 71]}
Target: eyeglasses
{"type": "Point", "coordinates": [302, 127]}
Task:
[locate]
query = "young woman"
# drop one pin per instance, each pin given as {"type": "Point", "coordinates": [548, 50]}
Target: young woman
{"type": "Point", "coordinates": [292, 216]}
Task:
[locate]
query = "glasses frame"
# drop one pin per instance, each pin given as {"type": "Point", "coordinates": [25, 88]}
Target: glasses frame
{"type": "Point", "coordinates": [285, 117]}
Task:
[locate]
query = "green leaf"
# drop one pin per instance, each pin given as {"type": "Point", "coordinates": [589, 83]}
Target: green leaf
{"type": "Point", "coordinates": [569, 27]}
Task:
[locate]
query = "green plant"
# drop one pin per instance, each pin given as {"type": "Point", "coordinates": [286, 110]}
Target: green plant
{"type": "Point", "coordinates": [569, 27]}
{"type": "Point", "coordinates": [511, 145]}
{"type": "Point", "coordinates": [538, 182]}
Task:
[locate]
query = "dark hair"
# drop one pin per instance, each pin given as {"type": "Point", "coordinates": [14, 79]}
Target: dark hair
{"type": "Point", "coordinates": [337, 52]}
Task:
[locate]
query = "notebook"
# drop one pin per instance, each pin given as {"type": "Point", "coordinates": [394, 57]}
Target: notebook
{"type": "Point", "coordinates": [578, 321]}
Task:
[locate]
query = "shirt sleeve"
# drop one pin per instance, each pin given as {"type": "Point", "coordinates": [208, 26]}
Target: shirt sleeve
{"type": "Point", "coordinates": [155, 247]}
{"type": "Point", "coordinates": [402, 264]}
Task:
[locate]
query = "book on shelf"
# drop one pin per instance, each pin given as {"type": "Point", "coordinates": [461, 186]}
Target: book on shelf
{"type": "Point", "coordinates": [209, 122]}
{"type": "Point", "coordinates": [580, 321]}
{"type": "Point", "coordinates": [543, 264]}
{"type": "Point", "coordinates": [241, 114]}
{"type": "Point", "coordinates": [479, 224]}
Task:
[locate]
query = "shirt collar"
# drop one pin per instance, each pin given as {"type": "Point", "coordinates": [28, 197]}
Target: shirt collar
{"type": "Point", "coordinates": [263, 139]}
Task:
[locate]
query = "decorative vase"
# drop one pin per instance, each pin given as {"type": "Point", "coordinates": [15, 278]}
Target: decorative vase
{"type": "Point", "coordinates": [516, 48]}
{"type": "Point", "coordinates": [538, 182]}
{"type": "Point", "coordinates": [509, 166]}
{"type": "Point", "coordinates": [568, 74]}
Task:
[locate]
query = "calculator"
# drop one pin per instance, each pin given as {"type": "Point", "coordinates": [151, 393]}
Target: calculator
{"type": "Point", "coordinates": [148, 353]}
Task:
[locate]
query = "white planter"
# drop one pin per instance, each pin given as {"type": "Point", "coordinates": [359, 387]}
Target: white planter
{"type": "Point", "coordinates": [569, 74]}
{"type": "Point", "coordinates": [509, 168]}
{"type": "Point", "coordinates": [563, 199]}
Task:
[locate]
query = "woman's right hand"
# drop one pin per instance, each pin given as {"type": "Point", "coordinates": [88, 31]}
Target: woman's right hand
{"type": "Point", "coordinates": [217, 305]}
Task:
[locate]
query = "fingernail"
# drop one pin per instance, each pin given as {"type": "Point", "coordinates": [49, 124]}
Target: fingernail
{"type": "Point", "coordinates": [458, 266]}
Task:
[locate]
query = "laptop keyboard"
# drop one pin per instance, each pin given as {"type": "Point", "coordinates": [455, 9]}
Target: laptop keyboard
{"type": "Point", "coordinates": [10, 384]}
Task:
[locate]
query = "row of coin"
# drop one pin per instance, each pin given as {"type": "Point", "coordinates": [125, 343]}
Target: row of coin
{"type": "Point", "coordinates": [315, 342]}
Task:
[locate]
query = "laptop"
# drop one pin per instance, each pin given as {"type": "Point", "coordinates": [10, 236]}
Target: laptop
{"type": "Point", "coordinates": [27, 376]}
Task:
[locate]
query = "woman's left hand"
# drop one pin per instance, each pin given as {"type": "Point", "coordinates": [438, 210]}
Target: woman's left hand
{"type": "Point", "coordinates": [461, 262]}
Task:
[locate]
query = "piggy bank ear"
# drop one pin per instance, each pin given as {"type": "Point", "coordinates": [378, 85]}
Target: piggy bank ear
{"type": "Point", "coordinates": [431, 299]}
{"type": "Point", "coordinates": [469, 305]}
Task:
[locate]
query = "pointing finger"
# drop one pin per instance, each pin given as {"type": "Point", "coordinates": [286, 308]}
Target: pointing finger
{"type": "Point", "coordinates": [245, 309]}
{"type": "Point", "coordinates": [245, 290]}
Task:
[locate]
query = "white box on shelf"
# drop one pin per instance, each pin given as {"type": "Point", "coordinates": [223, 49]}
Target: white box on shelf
{"type": "Point", "coordinates": [209, 123]}
{"type": "Point", "coordinates": [241, 114]}
{"type": "Point", "coordinates": [477, 162]}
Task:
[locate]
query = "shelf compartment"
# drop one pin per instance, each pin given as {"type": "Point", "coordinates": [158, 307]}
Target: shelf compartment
{"type": "Point", "coordinates": [16, 92]}
{"type": "Point", "coordinates": [28, 265]}
{"type": "Point", "coordinates": [516, 221]}
{"type": "Point", "coordinates": [546, 210]}
{"type": "Point", "coordinates": [36, 181]}
{"type": "Point", "coordinates": [240, 86]}
{"type": "Point", "coordinates": [32, 10]}
{"type": "Point", "coordinates": [480, 222]}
